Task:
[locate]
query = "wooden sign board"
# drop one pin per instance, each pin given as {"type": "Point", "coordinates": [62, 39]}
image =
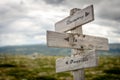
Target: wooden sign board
{"type": "Point", "coordinates": [89, 59]}
{"type": "Point", "coordinates": [79, 18]}
{"type": "Point", "coordinates": [67, 40]}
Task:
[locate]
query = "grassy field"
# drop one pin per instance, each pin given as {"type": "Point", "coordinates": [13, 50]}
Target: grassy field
{"type": "Point", "coordinates": [21, 67]}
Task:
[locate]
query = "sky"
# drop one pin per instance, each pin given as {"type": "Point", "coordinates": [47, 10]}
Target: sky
{"type": "Point", "coordinates": [24, 22]}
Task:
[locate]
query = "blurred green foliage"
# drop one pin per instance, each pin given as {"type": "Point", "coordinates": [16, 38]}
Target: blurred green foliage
{"type": "Point", "coordinates": [22, 67]}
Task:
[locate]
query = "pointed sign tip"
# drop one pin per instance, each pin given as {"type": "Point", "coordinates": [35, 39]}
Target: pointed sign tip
{"type": "Point", "coordinates": [86, 14]}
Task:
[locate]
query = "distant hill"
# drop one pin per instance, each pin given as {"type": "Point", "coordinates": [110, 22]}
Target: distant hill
{"type": "Point", "coordinates": [43, 49]}
{"type": "Point", "coordinates": [30, 49]}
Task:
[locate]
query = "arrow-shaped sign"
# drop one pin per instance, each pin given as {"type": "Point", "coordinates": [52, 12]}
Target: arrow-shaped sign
{"type": "Point", "coordinates": [89, 59]}
{"type": "Point", "coordinates": [79, 18]}
{"type": "Point", "coordinates": [66, 40]}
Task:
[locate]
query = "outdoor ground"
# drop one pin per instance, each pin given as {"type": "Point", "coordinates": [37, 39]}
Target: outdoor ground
{"type": "Point", "coordinates": [21, 67]}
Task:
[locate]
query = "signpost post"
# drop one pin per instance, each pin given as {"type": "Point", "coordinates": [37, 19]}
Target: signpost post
{"type": "Point", "coordinates": [79, 73]}
{"type": "Point", "coordinates": [83, 46]}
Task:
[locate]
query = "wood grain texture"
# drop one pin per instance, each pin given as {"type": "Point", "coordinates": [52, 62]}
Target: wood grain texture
{"type": "Point", "coordinates": [86, 60]}
{"type": "Point", "coordinates": [62, 40]}
{"type": "Point", "coordinates": [78, 74]}
{"type": "Point", "coordinates": [79, 18]}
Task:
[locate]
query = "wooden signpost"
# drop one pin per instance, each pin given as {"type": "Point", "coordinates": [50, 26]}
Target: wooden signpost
{"type": "Point", "coordinates": [89, 59]}
{"type": "Point", "coordinates": [78, 18]}
{"type": "Point", "coordinates": [69, 40]}
{"type": "Point", "coordinates": [83, 46]}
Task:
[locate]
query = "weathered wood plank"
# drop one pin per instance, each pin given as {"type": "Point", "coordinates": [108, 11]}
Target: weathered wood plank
{"type": "Point", "coordinates": [86, 60]}
{"type": "Point", "coordinates": [65, 40]}
{"type": "Point", "coordinates": [79, 18]}
{"type": "Point", "coordinates": [77, 74]}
